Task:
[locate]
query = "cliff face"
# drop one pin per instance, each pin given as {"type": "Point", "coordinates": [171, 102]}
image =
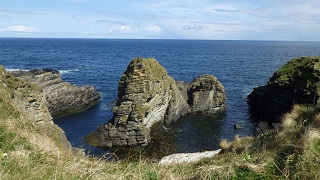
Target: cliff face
{"type": "Point", "coordinates": [297, 82]}
{"type": "Point", "coordinates": [148, 95]}
{"type": "Point", "coordinates": [31, 113]}
{"type": "Point", "coordinates": [62, 97]}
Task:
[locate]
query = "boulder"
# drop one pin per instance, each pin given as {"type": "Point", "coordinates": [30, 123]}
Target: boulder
{"type": "Point", "coordinates": [262, 128]}
{"type": "Point", "coordinates": [62, 97]}
{"type": "Point", "coordinates": [297, 82]}
{"type": "Point", "coordinates": [187, 157]}
{"type": "Point", "coordinates": [237, 126]}
{"type": "Point", "coordinates": [147, 95]}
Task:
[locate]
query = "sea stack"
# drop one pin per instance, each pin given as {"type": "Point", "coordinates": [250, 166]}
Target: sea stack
{"type": "Point", "coordinates": [206, 95]}
{"type": "Point", "coordinates": [297, 82]}
{"type": "Point", "coordinates": [147, 95]}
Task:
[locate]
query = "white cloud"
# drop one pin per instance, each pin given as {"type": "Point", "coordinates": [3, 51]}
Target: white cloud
{"type": "Point", "coordinates": [19, 28]}
{"type": "Point", "coordinates": [271, 20]}
{"type": "Point", "coordinates": [107, 21]}
{"type": "Point", "coordinates": [195, 27]}
{"type": "Point", "coordinates": [155, 29]}
{"type": "Point", "coordinates": [134, 29]}
{"type": "Point", "coordinates": [125, 29]}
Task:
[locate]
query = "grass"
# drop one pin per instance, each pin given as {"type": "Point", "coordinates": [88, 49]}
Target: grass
{"type": "Point", "coordinates": [291, 153]}
{"type": "Point", "coordinates": [300, 75]}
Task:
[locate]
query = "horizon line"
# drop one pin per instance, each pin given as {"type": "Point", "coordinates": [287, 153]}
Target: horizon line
{"type": "Point", "coordinates": [182, 39]}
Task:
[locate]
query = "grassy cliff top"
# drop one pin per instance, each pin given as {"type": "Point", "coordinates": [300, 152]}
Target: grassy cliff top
{"type": "Point", "coordinates": [148, 66]}
{"type": "Point", "coordinates": [303, 72]}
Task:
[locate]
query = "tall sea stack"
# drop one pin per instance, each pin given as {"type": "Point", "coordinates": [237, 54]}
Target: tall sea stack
{"type": "Point", "coordinates": [147, 95]}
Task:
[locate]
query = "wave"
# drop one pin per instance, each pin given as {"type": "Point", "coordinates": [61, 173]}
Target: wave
{"type": "Point", "coordinates": [10, 70]}
{"type": "Point", "coordinates": [61, 71]}
{"type": "Point", "coordinates": [68, 71]}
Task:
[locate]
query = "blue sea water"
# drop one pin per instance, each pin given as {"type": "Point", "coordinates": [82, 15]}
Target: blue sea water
{"type": "Point", "coordinates": [239, 65]}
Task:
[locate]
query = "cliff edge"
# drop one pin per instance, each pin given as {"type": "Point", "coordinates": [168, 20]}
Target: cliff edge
{"type": "Point", "coordinates": [24, 111]}
{"type": "Point", "coordinates": [297, 82]}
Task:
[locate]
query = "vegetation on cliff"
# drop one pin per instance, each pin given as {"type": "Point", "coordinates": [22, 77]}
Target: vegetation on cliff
{"type": "Point", "coordinates": [291, 152]}
{"type": "Point", "coordinates": [297, 82]}
{"type": "Point", "coordinates": [301, 75]}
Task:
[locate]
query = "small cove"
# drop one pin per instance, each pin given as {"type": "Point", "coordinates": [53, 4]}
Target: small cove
{"type": "Point", "coordinates": [239, 66]}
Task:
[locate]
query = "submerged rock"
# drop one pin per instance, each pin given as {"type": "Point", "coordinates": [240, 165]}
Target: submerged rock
{"type": "Point", "coordinates": [147, 95]}
{"type": "Point", "coordinates": [62, 97]}
{"type": "Point", "coordinates": [237, 126]}
{"type": "Point", "coordinates": [297, 82]}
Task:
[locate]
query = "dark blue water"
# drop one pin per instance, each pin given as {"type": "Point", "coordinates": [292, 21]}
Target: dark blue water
{"type": "Point", "coordinates": [239, 65]}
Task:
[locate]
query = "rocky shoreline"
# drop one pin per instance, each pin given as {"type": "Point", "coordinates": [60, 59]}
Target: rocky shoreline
{"type": "Point", "coordinates": [147, 95]}
{"type": "Point", "coordinates": [62, 97]}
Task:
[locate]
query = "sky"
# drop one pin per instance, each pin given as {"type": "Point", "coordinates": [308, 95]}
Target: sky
{"type": "Point", "coordinates": [288, 20]}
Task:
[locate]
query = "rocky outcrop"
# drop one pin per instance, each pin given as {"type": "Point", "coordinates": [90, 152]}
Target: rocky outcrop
{"type": "Point", "coordinates": [62, 97]}
{"type": "Point", "coordinates": [147, 95]}
{"type": "Point", "coordinates": [206, 95]}
{"type": "Point", "coordinates": [264, 128]}
{"type": "Point", "coordinates": [26, 97]}
{"type": "Point", "coordinates": [31, 106]}
{"type": "Point", "coordinates": [297, 82]}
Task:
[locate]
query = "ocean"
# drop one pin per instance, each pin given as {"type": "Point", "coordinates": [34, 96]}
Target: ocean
{"type": "Point", "coordinates": [239, 66]}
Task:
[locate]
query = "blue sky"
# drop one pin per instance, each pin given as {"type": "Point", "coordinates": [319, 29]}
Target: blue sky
{"type": "Point", "coordinates": [292, 20]}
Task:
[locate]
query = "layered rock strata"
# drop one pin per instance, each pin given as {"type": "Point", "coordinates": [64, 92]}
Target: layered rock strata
{"type": "Point", "coordinates": [62, 97]}
{"type": "Point", "coordinates": [31, 104]}
{"type": "Point", "coordinates": [147, 95]}
{"type": "Point", "coordinates": [297, 82]}
{"type": "Point", "coordinates": [206, 95]}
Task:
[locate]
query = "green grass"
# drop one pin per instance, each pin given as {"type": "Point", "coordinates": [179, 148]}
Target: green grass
{"type": "Point", "coordinates": [300, 74]}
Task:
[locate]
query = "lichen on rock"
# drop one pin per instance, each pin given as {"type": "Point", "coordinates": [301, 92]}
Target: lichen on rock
{"type": "Point", "coordinates": [147, 95]}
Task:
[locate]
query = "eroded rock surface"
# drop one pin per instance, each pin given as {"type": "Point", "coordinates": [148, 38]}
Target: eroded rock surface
{"type": "Point", "coordinates": [62, 97]}
{"type": "Point", "coordinates": [206, 95]}
{"type": "Point", "coordinates": [147, 95]}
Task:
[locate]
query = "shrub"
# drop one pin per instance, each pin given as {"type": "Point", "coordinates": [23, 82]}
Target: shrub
{"type": "Point", "coordinates": [224, 145]}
